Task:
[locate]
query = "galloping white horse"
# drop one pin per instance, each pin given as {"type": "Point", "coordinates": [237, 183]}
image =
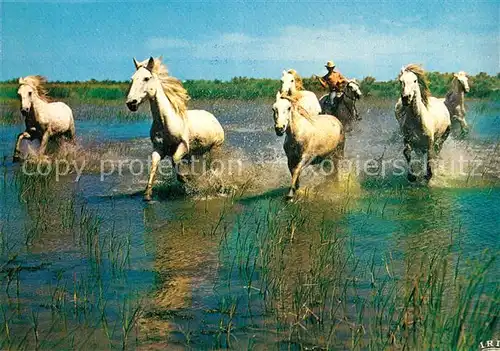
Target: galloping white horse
{"type": "Point", "coordinates": [424, 120]}
{"type": "Point", "coordinates": [309, 139]}
{"type": "Point", "coordinates": [291, 85]}
{"type": "Point", "coordinates": [43, 119]}
{"type": "Point", "coordinates": [454, 99]}
{"type": "Point", "coordinates": [175, 132]}
{"type": "Point", "coordinates": [345, 110]}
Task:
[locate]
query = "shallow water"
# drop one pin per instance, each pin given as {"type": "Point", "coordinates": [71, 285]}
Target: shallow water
{"type": "Point", "coordinates": [84, 260]}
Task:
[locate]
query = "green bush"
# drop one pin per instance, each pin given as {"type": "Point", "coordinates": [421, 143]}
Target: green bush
{"type": "Point", "coordinates": [242, 88]}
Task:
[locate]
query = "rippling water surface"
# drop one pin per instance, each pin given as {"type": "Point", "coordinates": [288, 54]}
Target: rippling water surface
{"type": "Point", "coordinates": [221, 262]}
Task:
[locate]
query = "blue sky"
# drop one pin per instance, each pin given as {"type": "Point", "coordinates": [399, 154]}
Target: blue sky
{"type": "Point", "coordinates": [79, 40]}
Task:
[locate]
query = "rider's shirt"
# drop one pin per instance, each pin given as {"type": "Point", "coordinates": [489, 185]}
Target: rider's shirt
{"type": "Point", "coordinates": [334, 80]}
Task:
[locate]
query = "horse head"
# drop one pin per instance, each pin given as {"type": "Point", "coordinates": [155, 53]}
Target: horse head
{"type": "Point", "coordinates": [29, 88]}
{"type": "Point", "coordinates": [463, 80]}
{"type": "Point", "coordinates": [288, 86]}
{"type": "Point", "coordinates": [409, 87]}
{"type": "Point", "coordinates": [413, 84]}
{"type": "Point", "coordinates": [143, 84]}
{"type": "Point", "coordinates": [282, 111]}
{"type": "Point", "coordinates": [25, 94]}
{"type": "Point", "coordinates": [352, 90]}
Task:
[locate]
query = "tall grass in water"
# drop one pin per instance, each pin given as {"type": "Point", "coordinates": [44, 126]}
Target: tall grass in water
{"type": "Point", "coordinates": [77, 308]}
{"type": "Point", "coordinates": [317, 293]}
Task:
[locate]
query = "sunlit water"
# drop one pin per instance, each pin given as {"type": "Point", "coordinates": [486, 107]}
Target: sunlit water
{"type": "Point", "coordinates": [170, 257]}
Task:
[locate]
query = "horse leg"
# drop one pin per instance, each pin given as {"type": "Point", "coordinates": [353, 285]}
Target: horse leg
{"type": "Point", "coordinates": [428, 174]}
{"type": "Point", "coordinates": [155, 160]}
{"type": "Point", "coordinates": [407, 153]}
{"type": "Point", "coordinates": [356, 113]}
{"type": "Point", "coordinates": [70, 133]}
{"type": "Point", "coordinates": [463, 124]}
{"type": "Point", "coordinates": [442, 139]}
{"type": "Point", "coordinates": [431, 154]}
{"type": "Point", "coordinates": [43, 143]}
{"type": "Point", "coordinates": [295, 177]}
{"type": "Point", "coordinates": [338, 155]}
{"type": "Point", "coordinates": [177, 160]}
{"type": "Point", "coordinates": [17, 152]}
{"type": "Point", "coordinates": [292, 164]}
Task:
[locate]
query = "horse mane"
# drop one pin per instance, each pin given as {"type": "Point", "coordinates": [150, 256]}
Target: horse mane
{"type": "Point", "coordinates": [172, 87]}
{"type": "Point", "coordinates": [294, 100]}
{"type": "Point", "coordinates": [38, 83]}
{"type": "Point", "coordinates": [423, 83]}
{"type": "Point", "coordinates": [299, 84]}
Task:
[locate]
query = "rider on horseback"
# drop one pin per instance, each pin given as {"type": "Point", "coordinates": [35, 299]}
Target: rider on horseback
{"type": "Point", "coordinates": [334, 81]}
{"type": "Point", "coordinates": [336, 84]}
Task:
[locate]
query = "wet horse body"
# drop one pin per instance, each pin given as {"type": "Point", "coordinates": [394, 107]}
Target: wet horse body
{"type": "Point", "coordinates": [424, 120]}
{"type": "Point", "coordinates": [43, 119]}
{"type": "Point", "coordinates": [455, 99]}
{"type": "Point", "coordinates": [175, 131]}
{"type": "Point", "coordinates": [309, 139]}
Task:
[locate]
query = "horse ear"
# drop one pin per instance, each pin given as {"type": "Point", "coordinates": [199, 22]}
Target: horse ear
{"type": "Point", "coordinates": [21, 80]}
{"type": "Point", "coordinates": [160, 58]}
{"type": "Point", "coordinates": [136, 64]}
{"type": "Point", "coordinates": [284, 72]}
{"type": "Point", "coordinates": [455, 75]}
{"type": "Point", "coordinates": [278, 95]}
{"type": "Point", "coordinates": [151, 64]}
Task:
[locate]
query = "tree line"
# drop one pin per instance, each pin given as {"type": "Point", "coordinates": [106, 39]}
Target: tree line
{"type": "Point", "coordinates": [482, 85]}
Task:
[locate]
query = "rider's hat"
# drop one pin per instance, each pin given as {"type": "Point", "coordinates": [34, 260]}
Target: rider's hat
{"type": "Point", "coordinates": [330, 64]}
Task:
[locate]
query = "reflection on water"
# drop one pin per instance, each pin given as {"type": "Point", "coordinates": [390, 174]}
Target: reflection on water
{"type": "Point", "coordinates": [224, 261]}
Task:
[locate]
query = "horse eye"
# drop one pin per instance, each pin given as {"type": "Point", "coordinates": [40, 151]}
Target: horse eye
{"type": "Point", "coordinates": [30, 93]}
{"type": "Point", "coordinates": [146, 79]}
{"type": "Point", "coordinates": [415, 81]}
{"type": "Point", "coordinates": [289, 108]}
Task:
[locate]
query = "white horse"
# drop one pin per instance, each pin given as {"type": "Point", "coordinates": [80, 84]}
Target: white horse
{"type": "Point", "coordinates": [291, 85]}
{"type": "Point", "coordinates": [43, 119]}
{"type": "Point", "coordinates": [454, 99]}
{"type": "Point", "coordinates": [175, 132]}
{"type": "Point", "coordinates": [309, 139]}
{"type": "Point", "coordinates": [424, 120]}
{"type": "Point", "coordinates": [345, 110]}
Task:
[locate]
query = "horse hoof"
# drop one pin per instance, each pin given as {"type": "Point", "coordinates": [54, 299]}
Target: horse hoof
{"type": "Point", "coordinates": [147, 198]}
{"type": "Point", "coordinates": [411, 177]}
{"type": "Point", "coordinates": [290, 196]}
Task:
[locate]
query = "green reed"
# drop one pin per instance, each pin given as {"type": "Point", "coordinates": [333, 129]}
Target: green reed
{"type": "Point", "coordinates": [319, 290]}
{"type": "Point", "coordinates": [77, 306]}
